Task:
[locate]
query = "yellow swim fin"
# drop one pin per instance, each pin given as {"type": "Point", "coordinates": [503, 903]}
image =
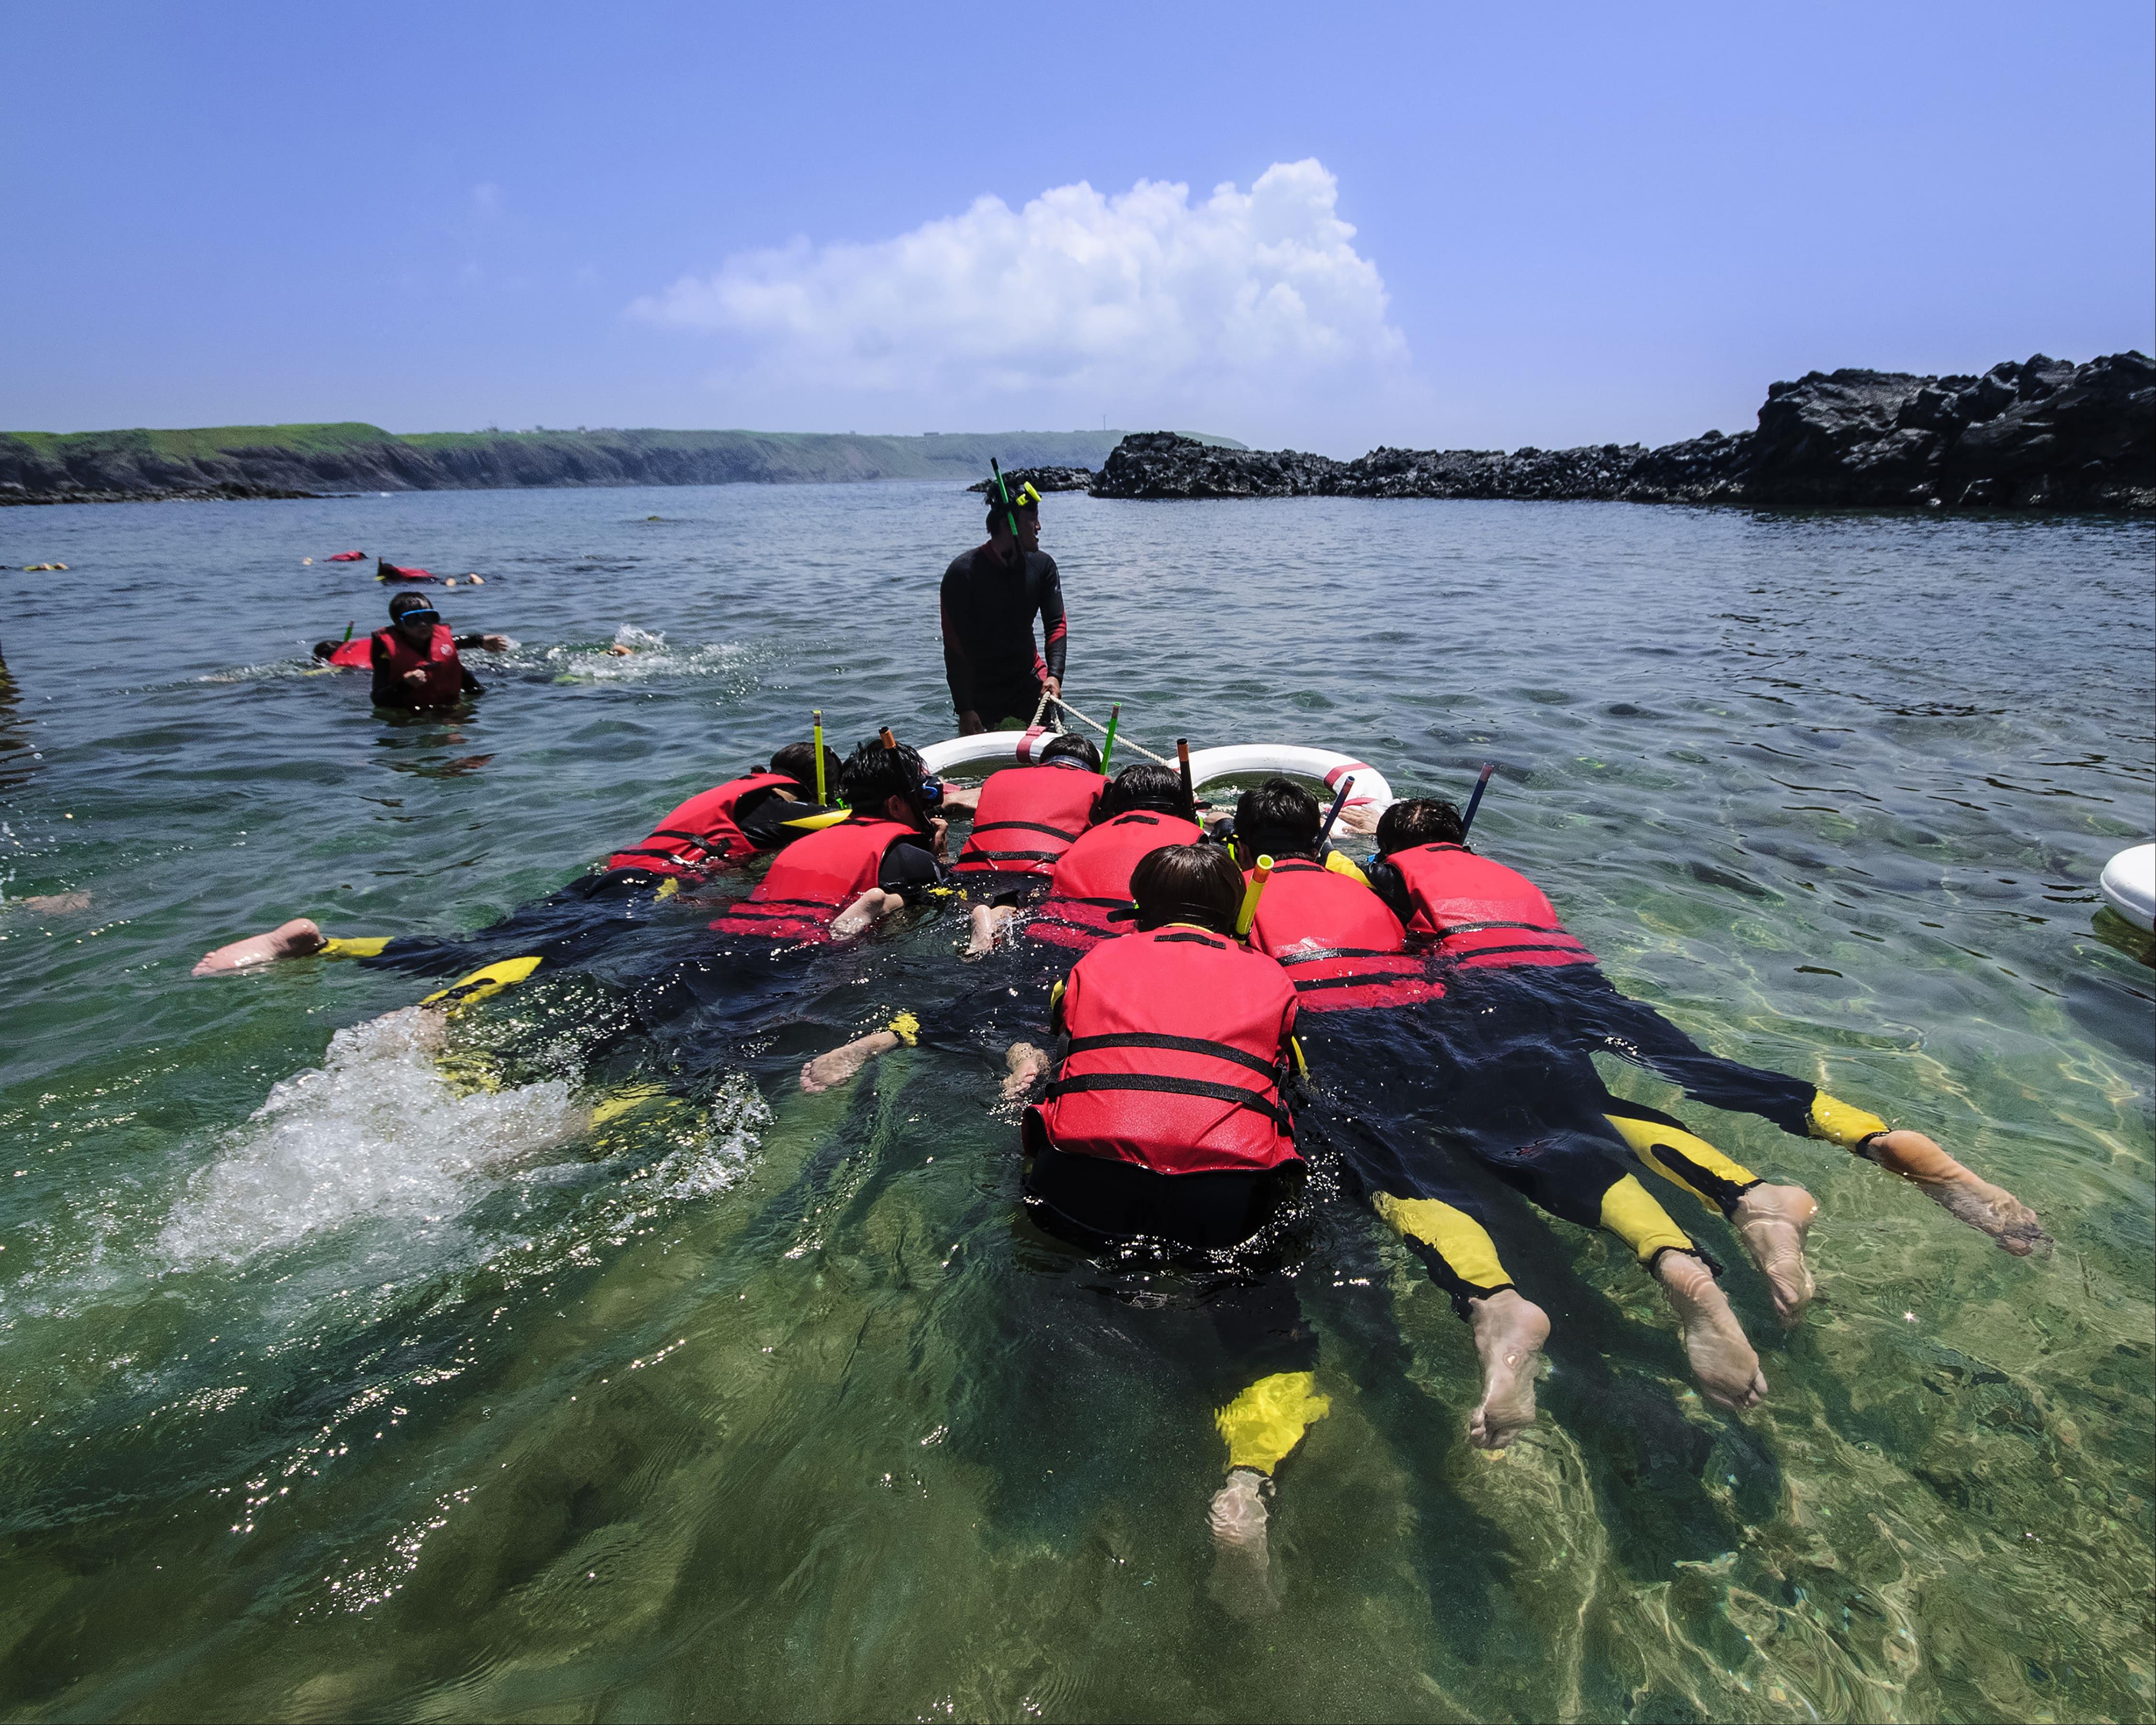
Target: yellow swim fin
{"type": "Point", "coordinates": [489, 980]}
{"type": "Point", "coordinates": [813, 822]}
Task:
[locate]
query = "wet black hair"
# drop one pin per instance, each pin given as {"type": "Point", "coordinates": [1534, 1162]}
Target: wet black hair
{"type": "Point", "coordinates": [798, 761]}
{"type": "Point", "coordinates": [1188, 883]}
{"type": "Point", "coordinates": [403, 602]}
{"type": "Point", "coordinates": [1420, 820]}
{"type": "Point", "coordinates": [1279, 818]}
{"type": "Point", "coordinates": [871, 776]}
{"type": "Point", "coordinates": [1144, 786]}
{"type": "Point", "coordinates": [997, 511]}
{"type": "Point", "coordinates": [324, 649]}
{"type": "Point", "coordinates": [1070, 747]}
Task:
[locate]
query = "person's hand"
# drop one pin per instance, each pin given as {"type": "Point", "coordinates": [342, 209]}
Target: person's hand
{"type": "Point", "coordinates": [941, 830]}
{"type": "Point", "coordinates": [970, 724]}
{"type": "Point", "coordinates": [494, 643]}
{"type": "Point", "coordinates": [1054, 686]}
{"type": "Point", "coordinates": [962, 799]}
{"type": "Point", "coordinates": [1362, 820]}
{"type": "Point", "coordinates": [415, 677]}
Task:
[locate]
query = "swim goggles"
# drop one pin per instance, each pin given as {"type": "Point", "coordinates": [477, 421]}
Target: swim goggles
{"type": "Point", "coordinates": [419, 613]}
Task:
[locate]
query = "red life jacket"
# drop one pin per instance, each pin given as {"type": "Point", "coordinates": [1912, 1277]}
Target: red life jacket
{"type": "Point", "coordinates": [1177, 1038]}
{"type": "Point", "coordinates": [445, 673]}
{"type": "Point", "coordinates": [1093, 876]}
{"type": "Point", "coordinates": [814, 879]}
{"type": "Point", "coordinates": [701, 831]}
{"type": "Point", "coordinates": [1483, 913]}
{"type": "Point", "coordinates": [1028, 816]}
{"type": "Point", "coordinates": [359, 652]}
{"type": "Point", "coordinates": [1335, 940]}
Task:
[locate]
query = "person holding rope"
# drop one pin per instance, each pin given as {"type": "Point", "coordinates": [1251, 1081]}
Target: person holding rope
{"type": "Point", "coordinates": [990, 597]}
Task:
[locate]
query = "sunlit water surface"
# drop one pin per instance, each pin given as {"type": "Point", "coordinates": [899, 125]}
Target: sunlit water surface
{"type": "Point", "coordinates": [348, 1374]}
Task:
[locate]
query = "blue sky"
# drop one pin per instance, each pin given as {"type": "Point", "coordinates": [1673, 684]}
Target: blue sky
{"type": "Point", "coordinates": [1568, 224]}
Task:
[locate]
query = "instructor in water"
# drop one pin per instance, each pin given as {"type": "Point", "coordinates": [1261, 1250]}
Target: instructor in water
{"type": "Point", "coordinates": [990, 597]}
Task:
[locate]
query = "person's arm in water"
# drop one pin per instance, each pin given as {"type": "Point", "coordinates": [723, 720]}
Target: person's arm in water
{"type": "Point", "coordinates": [1386, 882]}
{"type": "Point", "coordinates": [957, 663]}
{"type": "Point", "coordinates": [477, 642]}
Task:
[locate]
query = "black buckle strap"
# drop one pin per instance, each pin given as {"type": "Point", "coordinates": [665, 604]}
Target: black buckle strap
{"type": "Point", "coordinates": [1032, 826]}
{"type": "Point", "coordinates": [1177, 1045]}
{"type": "Point", "coordinates": [1255, 1101]}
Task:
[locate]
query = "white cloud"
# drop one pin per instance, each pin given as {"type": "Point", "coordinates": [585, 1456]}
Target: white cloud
{"type": "Point", "coordinates": [1139, 298]}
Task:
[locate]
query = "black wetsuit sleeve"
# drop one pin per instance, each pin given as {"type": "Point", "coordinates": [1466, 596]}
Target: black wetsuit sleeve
{"type": "Point", "coordinates": [387, 690]}
{"type": "Point", "coordinates": [471, 642]}
{"type": "Point", "coordinates": [957, 664]}
{"type": "Point", "coordinates": [1386, 882]}
{"type": "Point", "coordinates": [763, 819]}
{"type": "Point", "coordinates": [1054, 625]}
{"type": "Point", "coordinates": [909, 869]}
{"type": "Point", "coordinates": [470, 685]}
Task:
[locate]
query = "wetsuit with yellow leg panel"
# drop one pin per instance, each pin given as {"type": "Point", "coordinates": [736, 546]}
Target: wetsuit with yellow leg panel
{"type": "Point", "coordinates": [1165, 1120]}
{"type": "Point", "coordinates": [1521, 988]}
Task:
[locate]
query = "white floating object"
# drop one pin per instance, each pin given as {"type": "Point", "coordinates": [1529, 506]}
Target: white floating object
{"type": "Point", "coordinates": [1008, 748]}
{"type": "Point", "coordinates": [2129, 885]}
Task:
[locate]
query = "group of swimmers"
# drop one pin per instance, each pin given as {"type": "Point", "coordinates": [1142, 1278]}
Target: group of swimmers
{"type": "Point", "coordinates": [1205, 1018]}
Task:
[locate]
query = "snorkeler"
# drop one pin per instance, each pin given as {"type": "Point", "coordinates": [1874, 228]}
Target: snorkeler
{"type": "Point", "coordinates": [1035, 812]}
{"type": "Point", "coordinates": [1510, 964]}
{"type": "Point", "coordinates": [1370, 1009]}
{"type": "Point", "coordinates": [415, 660]}
{"type": "Point", "coordinates": [990, 597]}
{"type": "Point", "coordinates": [1165, 1120]}
{"type": "Point", "coordinates": [1143, 810]}
{"type": "Point", "coordinates": [763, 811]}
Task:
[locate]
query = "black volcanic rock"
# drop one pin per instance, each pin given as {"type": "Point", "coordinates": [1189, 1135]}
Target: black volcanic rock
{"type": "Point", "coordinates": [1043, 480]}
{"type": "Point", "coordinates": [2043, 434]}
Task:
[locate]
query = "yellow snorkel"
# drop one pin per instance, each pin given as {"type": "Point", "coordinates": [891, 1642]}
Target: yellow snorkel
{"type": "Point", "coordinates": [816, 727]}
{"type": "Point", "coordinates": [1251, 894]}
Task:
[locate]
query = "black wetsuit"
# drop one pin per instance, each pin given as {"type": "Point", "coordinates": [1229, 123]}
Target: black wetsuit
{"type": "Point", "coordinates": [989, 656]}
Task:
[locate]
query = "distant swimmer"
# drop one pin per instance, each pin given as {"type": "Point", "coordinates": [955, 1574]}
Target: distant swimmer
{"type": "Point", "coordinates": [415, 662]}
{"type": "Point", "coordinates": [990, 597]}
{"type": "Point", "coordinates": [384, 570]}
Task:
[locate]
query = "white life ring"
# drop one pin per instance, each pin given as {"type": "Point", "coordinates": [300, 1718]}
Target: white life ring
{"type": "Point", "coordinates": [1008, 748]}
{"type": "Point", "coordinates": [2129, 885]}
{"type": "Point", "coordinates": [1245, 759]}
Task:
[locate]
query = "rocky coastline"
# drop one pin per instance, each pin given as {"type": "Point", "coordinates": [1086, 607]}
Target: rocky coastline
{"type": "Point", "coordinates": [2040, 434]}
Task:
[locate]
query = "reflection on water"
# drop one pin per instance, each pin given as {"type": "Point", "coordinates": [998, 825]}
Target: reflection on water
{"type": "Point", "coordinates": [557, 1369]}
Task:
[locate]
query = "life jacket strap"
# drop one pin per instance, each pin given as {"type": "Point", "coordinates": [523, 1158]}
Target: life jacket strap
{"type": "Point", "coordinates": [1255, 1101]}
{"type": "Point", "coordinates": [1177, 1045]}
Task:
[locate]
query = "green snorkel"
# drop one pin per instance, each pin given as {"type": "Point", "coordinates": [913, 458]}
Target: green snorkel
{"type": "Point", "coordinates": [348, 629]}
{"type": "Point", "coordinates": [1108, 743]}
{"type": "Point", "coordinates": [1004, 496]}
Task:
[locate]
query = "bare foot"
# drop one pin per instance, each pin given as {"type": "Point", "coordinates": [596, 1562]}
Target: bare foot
{"type": "Point", "coordinates": [1721, 1359]}
{"type": "Point", "coordinates": [1242, 1580]}
{"type": "Point", "coordinates": [1509, 1333]}
{"type": "Point", "coordinates": [840, 1064]}
{"type": "Point", "coordinates": [988, 921]}
{"type": "Point", "coordinates": [1988, 1208]}
{"type": "Point", "coordinates": [53, 904]}
{"type": "Point", "coordinates": [296, 939]}
{"type": "Point", "coordinates": [1026, 1064]}
{"type": "Point", "coordinates": [1772, 1221]}
{"type": "Point", "coordinates": [869, 907]}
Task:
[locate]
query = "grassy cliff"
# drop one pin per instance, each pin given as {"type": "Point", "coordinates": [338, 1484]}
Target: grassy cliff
{"type": "Point", "coordinates": [284, 460]}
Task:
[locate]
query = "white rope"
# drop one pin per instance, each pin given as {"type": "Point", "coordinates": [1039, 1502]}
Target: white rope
{"type": "Point", "coordinates": [1121, 741]}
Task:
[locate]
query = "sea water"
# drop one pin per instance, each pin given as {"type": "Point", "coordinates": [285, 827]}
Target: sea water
{"type": "Point", "coordinates": [356, 1366]}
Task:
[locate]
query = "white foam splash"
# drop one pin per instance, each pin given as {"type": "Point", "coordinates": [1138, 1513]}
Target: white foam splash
{"type": "Point", "coordinates": [377, 1133]}
{"type": "Point", "coordinates": [646, 655]}
{"type": "Point", "coordinates": [717, 1162]}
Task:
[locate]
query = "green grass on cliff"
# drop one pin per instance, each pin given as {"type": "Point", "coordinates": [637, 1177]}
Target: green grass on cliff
{"type": "Point", "coordinates": [207, 440]}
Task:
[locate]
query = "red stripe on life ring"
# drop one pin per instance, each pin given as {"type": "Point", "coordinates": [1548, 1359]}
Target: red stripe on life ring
{"type": "Point", "coordinates": [1332, 780]}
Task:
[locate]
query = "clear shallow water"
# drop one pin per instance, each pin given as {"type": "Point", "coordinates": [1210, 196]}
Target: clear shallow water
{"type": "Point", "coordinates": [349, 1375]}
